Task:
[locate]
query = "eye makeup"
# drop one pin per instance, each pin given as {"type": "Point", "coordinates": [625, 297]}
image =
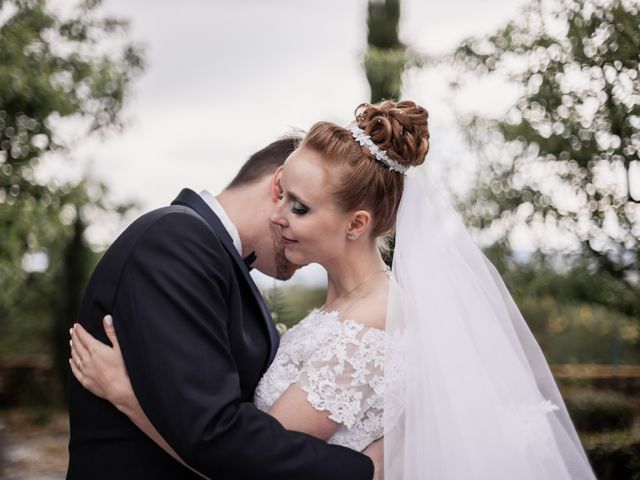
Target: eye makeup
{"type": "Point", "coordinates": [299, 208]}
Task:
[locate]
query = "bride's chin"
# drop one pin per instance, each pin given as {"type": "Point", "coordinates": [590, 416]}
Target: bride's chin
{"type": "Point", "coordinates": [295, 258]}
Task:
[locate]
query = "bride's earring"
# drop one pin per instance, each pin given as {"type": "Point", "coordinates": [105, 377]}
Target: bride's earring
{"type": "Point", "coordinates": [351, 236]}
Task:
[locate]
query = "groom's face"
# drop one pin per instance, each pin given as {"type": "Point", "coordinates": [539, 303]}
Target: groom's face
{"type": "Point", "coordinates": [284, 269]}
{"type": "Point", "coordinates": [269, 249]}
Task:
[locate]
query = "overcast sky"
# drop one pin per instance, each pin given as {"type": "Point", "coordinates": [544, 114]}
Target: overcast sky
{"type": "Point", "coordinates": [227, 77]}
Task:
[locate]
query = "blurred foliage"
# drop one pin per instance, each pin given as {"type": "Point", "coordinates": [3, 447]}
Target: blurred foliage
{"type": "Point", "coordinates": [614, 455]}
{"type": "Point", "coordinates": [576, 314]}
{"type": "Point", "coordinates": [79, 69]}
{"type": "Point", "coordinates": [544, 275]}
{"type": "Point", "coordinates": [29, 306]}
{"type": "Point", "coordinates": [386, 58]}
{"type": "Point", "coordinates": [599, 410]}
{"type": "Point", "coordinates": [275, 300]}
{"type": "Point", "coordinates": [581, 333]}
{"type": "Point", "coordinates": [289, 305]}
{"type": "Point", "coordinates": [561, 158]}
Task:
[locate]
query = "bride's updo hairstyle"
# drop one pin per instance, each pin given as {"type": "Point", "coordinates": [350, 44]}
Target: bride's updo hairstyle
{"type": "Point", "coordinates": [358, 179]}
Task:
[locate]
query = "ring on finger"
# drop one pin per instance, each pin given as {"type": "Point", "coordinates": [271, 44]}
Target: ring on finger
{"type": "Point", "coordinates": [79, 363]}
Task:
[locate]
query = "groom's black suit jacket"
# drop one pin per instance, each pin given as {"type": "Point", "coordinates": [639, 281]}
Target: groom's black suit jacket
{"type": "Point", "coordinates": [196, 338]}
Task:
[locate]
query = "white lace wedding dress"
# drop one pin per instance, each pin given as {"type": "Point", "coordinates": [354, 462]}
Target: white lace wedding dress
{"type": "Point", "coordinates": [340, 364]}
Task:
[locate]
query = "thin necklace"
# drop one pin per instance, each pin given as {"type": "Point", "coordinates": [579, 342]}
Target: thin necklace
{"type": "Point", "coordinates": [357, 287]}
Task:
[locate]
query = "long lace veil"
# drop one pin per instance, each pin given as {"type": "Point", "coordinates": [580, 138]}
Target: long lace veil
{"type": "Point", "coordinates": [468, 393]}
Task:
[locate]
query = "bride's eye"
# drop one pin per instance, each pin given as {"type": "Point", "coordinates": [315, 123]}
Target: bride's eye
{"type": "Point", "coordinates": [299, 209]}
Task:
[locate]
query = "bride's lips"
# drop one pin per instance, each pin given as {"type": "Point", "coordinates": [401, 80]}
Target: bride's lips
{"type": "Point", "coordinates": [288, 241]}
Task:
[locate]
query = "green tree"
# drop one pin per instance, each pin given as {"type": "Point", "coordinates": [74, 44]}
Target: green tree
{"type": "Point", "coordinates": [385, 59]}
{"type": "Point", "coordinates": [53, 68]}
{"type": "Point", "coordinates": [562, 155]}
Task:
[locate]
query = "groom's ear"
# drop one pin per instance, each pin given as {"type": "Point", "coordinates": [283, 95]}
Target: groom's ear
{"type": "Point", "coordinates": [276, 189]}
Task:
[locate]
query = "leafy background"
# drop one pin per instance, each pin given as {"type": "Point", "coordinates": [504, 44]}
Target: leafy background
{"type": "Point", "coordinates": [557, 172]}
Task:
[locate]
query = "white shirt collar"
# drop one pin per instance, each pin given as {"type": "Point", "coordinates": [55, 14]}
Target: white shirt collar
{"type": "Point", "coordinates": [215, 205]}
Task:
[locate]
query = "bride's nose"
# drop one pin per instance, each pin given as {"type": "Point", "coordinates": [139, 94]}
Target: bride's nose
{"type": "Point", "coordinates": [278, 218]}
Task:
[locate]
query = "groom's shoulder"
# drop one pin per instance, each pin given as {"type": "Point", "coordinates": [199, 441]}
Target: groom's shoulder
{"type": "Point", "coordinates": [178, 214]}
{"type": "Point", "coordinates": [167, 224]}
{"type": "Point", "coordinates": [171, 213]}
{"type": "Point", "coordinates": [162, 237]}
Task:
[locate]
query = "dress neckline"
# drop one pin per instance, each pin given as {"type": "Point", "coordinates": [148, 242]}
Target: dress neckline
{"type": "Point", "coordinates": [335, 315]}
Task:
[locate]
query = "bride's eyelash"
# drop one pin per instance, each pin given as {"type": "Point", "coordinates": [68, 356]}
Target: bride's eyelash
{"type": "Point", "coordinates": [299, 208]}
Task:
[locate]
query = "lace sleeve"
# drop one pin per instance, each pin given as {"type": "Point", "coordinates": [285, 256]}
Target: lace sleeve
{"type": "Point", "coordinates": [345, 375]}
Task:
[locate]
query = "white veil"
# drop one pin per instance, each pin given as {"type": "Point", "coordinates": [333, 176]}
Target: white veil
{"type": "Point", "coordinates": [468, 394]}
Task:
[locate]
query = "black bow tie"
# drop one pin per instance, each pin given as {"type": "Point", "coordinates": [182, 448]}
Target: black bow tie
{"type": "Point", "coordinates": [249, 259]}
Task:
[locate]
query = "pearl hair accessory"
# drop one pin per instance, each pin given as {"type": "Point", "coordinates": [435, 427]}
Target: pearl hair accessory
{"type": "Point", "coordinates": [378, 153]}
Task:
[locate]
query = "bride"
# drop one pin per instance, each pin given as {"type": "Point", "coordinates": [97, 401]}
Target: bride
{"type": "Point", "coordinates": [434, 355]}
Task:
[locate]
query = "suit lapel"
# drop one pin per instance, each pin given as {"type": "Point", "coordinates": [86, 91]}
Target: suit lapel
{"type": "Point", "coordinates": [192, 200]}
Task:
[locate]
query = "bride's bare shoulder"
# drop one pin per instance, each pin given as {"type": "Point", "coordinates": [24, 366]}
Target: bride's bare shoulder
{"type": "Point", "coordinates": [371, 311]}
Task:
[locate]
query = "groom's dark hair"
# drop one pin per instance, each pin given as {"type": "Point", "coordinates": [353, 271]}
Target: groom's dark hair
{"type": "Point", "coordinates": [265, 161]}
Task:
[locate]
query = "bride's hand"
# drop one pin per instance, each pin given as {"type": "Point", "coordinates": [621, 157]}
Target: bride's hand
{"type": "Point", "coordinates": [100, 368]}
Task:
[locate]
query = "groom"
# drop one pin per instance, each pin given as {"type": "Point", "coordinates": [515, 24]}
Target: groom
{"type": "Point", "coordinates": [196, 338]}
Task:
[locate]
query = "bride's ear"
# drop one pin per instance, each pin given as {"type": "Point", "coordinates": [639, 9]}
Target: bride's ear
{"type": "Point", "coordinates": [276, 189]}
{"type": "Point", "coordinates": [359, 224]}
